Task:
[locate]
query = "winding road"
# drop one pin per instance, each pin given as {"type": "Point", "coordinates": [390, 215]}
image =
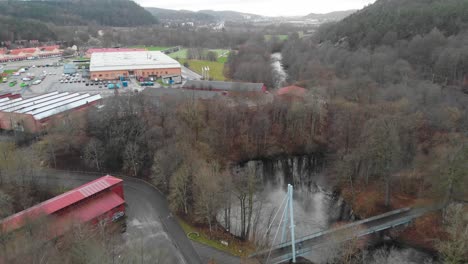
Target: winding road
{"type": "Point", "coordinates": [149, 220]}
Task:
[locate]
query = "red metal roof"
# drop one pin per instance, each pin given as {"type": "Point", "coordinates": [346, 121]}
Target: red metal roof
{"type": "Point", "coordinates": [292, 90]}
{"type": "Point", "coordinates": [19, 51]}
{"type": "Point", "coordinates": [49, 48]}
{"type": "Point", "coordinates": [86, 212]}
{"type": "Point", "coordinates": [60, 202]}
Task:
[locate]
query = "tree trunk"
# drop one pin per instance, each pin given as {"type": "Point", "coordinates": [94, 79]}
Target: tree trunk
{"type": "Point", "coordinates": [387, 190]}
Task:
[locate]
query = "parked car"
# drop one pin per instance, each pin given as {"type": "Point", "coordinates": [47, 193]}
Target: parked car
{"type": "Point", "coordinates": [22, 85]}
{"type": "Point", "coordinates": [26, 79]}
{"type": "Point", "coordinates": [12, 83]}
{"type": "Point", "coordinates": [36, 82]}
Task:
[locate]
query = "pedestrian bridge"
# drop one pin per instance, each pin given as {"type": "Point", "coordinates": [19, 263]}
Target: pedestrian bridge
{"type": "Point", "coordinates": [282, 252]}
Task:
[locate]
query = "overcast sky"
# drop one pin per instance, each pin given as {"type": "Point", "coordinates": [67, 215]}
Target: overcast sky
{"type": "Point", "coordinates": [261, 7]}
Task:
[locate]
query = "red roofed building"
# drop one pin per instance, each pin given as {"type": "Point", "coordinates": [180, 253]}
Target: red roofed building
{"type": "Point", "coordinates": [292, 91]}
{"type": "Point", "coordinates": [23, 52]}
{"type": "Point", "coordinates": [91, 51]}
{"type": "Point", "coordinates": [54, 48]}
{"type": "Point", "coordinates": [101, 199]}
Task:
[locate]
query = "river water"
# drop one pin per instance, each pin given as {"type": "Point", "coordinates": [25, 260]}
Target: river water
{"type": "Point", "coordinates": [316, 207]}
{"type": "Point", "coordinates": [279, 73]}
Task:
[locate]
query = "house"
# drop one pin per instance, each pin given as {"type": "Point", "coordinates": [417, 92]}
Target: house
{"type": "Point", "coordinates": [50, 49]}
{"type": "Point", "coordinates": [291, 91]}
{"type": "Point", "coordinates": [24, 52]}
{"type": "Point", "coordinates": [225, 86]}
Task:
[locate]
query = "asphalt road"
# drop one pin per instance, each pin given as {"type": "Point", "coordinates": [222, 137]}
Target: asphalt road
{"type": "Point", "coordinates": [149, 222]}
{"type": "Point", "coordinates": [188, 74]}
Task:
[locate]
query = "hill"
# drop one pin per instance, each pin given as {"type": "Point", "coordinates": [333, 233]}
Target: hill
{"type": "Point", "coordinates": [386, 20]}
{"type": "Point", "coordinates": [168, 15]}
{"type": "Point", "coordinates": [118, 13]}
{"type": "Point", "coordinates": [201, 17]}
{"type": "Point", "coordinates": [332, 16]}
{"type": "Point", "coordinates": [232, 16]}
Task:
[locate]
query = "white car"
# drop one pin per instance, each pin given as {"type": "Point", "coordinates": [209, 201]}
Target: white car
{"type": "Point", "coordinates": [61, 81]}
{"type": "Point", "coordinates": [34, 66]}
{"type": "Point", "coordinates": [16, 74]}
{"type": "Point", "coordinates": [36, 82]}
{"type": "Point", "coordinates": [26, 79]}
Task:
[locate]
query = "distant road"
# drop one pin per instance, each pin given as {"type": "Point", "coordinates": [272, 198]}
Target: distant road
{"type": "Point", "coordinates": [149, 220]}
{"type": "Point", "coordinates": [189, 74]}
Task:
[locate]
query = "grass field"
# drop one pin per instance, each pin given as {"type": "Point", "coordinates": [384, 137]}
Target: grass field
{"type": "Point", "coordinates": [281, 37]}
{"type": "Point", "coordinates": [182, 54]}
{"type": "Point", "coordinates": [234, 248]}
{"type": "Point", "coordinates": [216, 68]}
{"type": "Point", "coordinates": [150, 48]}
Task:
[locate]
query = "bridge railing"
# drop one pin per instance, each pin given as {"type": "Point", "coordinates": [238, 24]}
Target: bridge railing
{"type": "Point", "coordinates": [371, 230]}
{"type": "Point", "coordinates": [329, 231]}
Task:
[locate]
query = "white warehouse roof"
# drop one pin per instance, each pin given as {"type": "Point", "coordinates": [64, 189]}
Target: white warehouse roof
{"type": "Point", "coordinates": [47, 105]}
{"type": "Point", "coordinates": [131, 60]}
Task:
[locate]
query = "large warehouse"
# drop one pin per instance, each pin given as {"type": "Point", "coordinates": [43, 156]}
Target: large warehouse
{"type": "Point", "coordinates": [36, 113]}
{"type": "Point", "coordinates": [112, 65]}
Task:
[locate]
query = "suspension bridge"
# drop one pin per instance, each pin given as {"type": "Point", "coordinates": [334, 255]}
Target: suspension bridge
{"type": "Point", "coordinates": [289, 250]}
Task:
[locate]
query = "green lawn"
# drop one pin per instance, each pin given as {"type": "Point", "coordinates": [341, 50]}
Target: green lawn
{"type": "Point", "coordinates": [182, 54]}
{"type": "Point", "coordinates": [216, 68]}
{"type": "Point", "coordinates": [204, 239]}
{"type": "Point", "coordinates": [281, 37]}
{"type": "Point", "coordinates": [9, 71]}
{"type": "Point", "coordinates": [150, 48]}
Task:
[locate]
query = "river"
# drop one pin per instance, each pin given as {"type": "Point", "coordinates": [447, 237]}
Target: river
{"type": "Point", "coordinates": [279, 73]}
{"type": "Point", "coordinates": [316, 207]}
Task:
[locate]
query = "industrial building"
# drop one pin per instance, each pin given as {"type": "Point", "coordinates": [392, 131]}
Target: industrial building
{"type": "Point", "coordinates": [140, 64]}
{"type": "Point", "coordinates": [35, 114]}
{"type": "Point", "coordinates": [90, 52]}
{"type": "Point", "coordinates": [225, 86]}
{"type": "Point", "coordinates": [99, 200]}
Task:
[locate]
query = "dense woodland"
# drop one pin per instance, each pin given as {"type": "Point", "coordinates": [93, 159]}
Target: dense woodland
{"type": "Point", "coordinates": [387, 115]}
{"type": "Point", "coordinates": [26, 20]}
{"type": "Point", "coordinates": [390, 20]}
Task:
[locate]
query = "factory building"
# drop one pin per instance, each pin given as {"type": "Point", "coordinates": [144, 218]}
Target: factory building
{"type": "Point", "coordinates": [35, 114]}
{"type": "Point", "coordinates": [138, 64]}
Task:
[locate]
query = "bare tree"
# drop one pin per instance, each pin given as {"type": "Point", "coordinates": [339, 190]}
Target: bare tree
{"type": "Point", "coordinates": [454, 249]}
{"type": "Point", "coordinates": [94, 153]}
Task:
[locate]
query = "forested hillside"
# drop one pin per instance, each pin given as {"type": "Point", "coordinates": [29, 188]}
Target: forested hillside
{"type": "Point", "coordinates": [387, 20]}
{"type": "Point", "coordinates": [12, 28]}
{"type": "Point", "coordinates": [393, 74]}
{"type": "Point", "coordinates": [181, 15]}
{"type": "Point", "coordinates": [120, 13]}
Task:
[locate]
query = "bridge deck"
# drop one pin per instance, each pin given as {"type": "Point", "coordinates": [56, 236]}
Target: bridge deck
{"type": "Point", "coordinates": [347, 232]}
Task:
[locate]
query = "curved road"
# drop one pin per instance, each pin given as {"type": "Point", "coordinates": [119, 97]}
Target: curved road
{"type": "Point", "coordinates": [149, 220]}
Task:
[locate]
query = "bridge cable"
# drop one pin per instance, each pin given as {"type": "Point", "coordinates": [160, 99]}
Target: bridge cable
{"type": "Point", "coordinates": [277, 231]}
{"type": "Point", "coordinates": [274, 217]}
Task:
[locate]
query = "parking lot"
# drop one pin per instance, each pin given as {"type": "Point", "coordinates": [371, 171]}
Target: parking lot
{"type": "Point", "coordinates": [54, 81]}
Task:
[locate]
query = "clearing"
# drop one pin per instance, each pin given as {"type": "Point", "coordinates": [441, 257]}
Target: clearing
{"type": "Point", "coordinates": [216, 68]}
